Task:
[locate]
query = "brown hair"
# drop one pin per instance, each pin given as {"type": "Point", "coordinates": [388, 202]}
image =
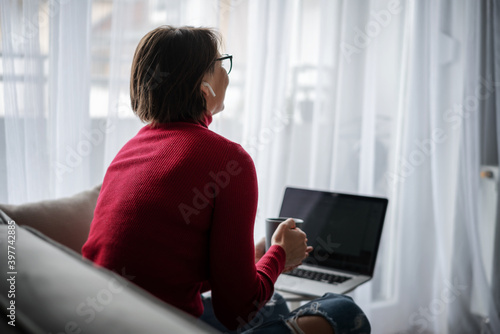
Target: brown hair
{"type": "Point", "coordinates": [167, 71]}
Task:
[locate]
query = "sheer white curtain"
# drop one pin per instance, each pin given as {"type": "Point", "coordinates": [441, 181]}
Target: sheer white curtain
{"type": "Point", "coordinates": [45, 54]}
{"type": "Point", "coordinates": [378, 97]}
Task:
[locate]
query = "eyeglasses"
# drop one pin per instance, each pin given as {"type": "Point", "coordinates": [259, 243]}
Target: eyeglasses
{"type": "Point", "coordinates": [227, 62]}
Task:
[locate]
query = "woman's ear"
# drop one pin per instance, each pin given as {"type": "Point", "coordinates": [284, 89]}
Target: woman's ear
{"type": "Point", "coordinates": [206, 88]}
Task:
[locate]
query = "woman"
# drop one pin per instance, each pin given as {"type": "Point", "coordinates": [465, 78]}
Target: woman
{"type": "Point", "coordinates": [178, 202]}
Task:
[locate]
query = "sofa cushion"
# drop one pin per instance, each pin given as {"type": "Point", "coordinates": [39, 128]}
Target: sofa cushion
{"type": "Point", "coordinates": [56, 291]}
{"type": "Point", "coordinates": [66, 220]}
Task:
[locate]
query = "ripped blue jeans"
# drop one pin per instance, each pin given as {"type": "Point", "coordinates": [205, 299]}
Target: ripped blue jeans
{"type": "Point", "coordinates": [339, 310]}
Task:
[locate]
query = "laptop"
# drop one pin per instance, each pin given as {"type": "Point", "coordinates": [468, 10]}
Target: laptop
{"type": "Point", "coordinates": [345, 232]}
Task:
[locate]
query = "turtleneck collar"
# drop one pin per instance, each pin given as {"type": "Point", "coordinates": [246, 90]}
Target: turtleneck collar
{"type": "Point", "coordinates": [206, 120]}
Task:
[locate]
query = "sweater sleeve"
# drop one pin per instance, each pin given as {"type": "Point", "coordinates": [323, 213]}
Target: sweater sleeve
{"type": "Point", "coordinates": [239, 286]}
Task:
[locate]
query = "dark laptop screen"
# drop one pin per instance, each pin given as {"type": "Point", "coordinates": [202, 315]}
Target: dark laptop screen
{"type": "Point", "coordinates": [344, 229]}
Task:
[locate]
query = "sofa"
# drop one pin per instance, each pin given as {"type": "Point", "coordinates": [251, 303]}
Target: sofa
{"type": "Point", "coordinates": [47, 287]}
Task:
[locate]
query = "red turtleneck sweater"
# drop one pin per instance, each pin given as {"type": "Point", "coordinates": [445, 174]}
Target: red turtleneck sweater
{"type": "Point", "coordinates": [176, 211]}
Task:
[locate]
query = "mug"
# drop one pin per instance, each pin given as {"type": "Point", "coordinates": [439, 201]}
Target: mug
{"type": "Point", "coordinates": [272, 225]}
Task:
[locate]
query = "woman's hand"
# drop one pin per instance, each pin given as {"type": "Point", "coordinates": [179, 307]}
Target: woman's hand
{"type": "Point", "coordinates": [294, 241]}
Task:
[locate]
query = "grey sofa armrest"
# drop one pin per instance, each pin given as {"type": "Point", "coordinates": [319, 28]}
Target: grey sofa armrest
{"type": "Point", "coordinates": [58, 291]}
{"type": "Point", "coordinates": [66, 220]}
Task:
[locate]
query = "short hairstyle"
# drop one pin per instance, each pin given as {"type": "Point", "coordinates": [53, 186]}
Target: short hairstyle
{"type": "Point", "coordinates": [167, 71]}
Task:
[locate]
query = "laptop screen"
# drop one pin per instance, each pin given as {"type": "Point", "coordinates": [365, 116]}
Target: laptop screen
{"type": "Point", "coordinates": [344, 229]}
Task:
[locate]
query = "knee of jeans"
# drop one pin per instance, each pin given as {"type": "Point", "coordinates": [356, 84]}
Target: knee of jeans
{"type": "Point", "coordinates": [330, 295]}
{"type": "Point", "coordinates": [343, 312]}
{"type": "Point", "coordinates": [279, 304]}
{"type": "Point", "coordinates": [347, 312]}
{"type": "Point", "coordinates": [278, 298]}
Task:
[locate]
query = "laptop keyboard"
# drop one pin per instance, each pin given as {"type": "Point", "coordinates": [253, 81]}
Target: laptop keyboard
{"type": "Point", "coordinates": [318, 276]}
